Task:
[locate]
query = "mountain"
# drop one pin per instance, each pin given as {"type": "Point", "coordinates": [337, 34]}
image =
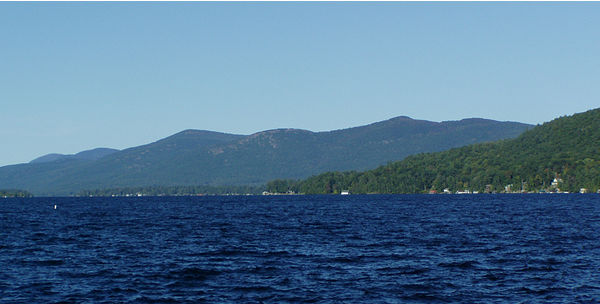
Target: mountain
{"type": "Point", "coordinates": [194, 157]}
{"type": "Point", "coordinates": [561, 155]}
{"type": "Point", "coordinates": [93, 154]}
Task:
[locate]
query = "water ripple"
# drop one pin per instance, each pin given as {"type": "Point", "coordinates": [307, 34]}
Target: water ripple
{"type": "Point", "coordinates": [310, 249]}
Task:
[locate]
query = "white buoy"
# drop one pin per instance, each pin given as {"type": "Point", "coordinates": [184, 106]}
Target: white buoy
{"type": "Point", "coordinates": [54, 207]}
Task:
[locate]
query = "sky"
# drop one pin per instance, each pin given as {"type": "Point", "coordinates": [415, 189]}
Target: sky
{"type": "Point", "coordinates": [76, 76]}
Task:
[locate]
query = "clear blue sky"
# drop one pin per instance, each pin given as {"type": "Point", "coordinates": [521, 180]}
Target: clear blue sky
{"type": "Point", "coordinates": [75, 76]}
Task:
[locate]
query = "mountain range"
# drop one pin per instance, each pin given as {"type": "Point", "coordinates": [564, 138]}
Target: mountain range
{"type": "Point", "coordinates": [196, 157]}
{"type": "Point", "coordinates": [93, 154]}
{"type": "Point", "coordinates": [562, 155]}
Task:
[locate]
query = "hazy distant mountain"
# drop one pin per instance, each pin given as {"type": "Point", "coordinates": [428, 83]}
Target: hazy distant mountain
{"type": "Point", "coordinates": [195, 157]}
{"type": "Point", "coordinates": [93, 154]}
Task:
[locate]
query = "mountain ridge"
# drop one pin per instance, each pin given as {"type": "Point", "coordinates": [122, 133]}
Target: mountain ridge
{"type": "Point", "coordinates": [201, 157]}
{"type": "Point", "coordinates": [560, 155]}
{"type": "Point", "coordinates": [92, 154]}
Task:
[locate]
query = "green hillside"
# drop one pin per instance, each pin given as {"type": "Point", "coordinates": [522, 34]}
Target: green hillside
{"type": "Point", "coordinates": [205, 158]}
{"type": "Point", "coordinates": [567, 148]}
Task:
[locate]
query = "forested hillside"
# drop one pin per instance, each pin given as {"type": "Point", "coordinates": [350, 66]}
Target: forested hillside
{"type": "Point", "coordinates": [566, 149]}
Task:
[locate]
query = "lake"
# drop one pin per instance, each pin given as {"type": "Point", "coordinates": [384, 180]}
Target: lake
{"type": "Point", "coordinates": [289, 249]}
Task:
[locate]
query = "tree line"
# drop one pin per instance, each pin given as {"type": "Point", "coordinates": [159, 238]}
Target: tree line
{"type": "Point", "coordinates": [14, 193]}
{"type": "Point", "coordinates": [173, 191]}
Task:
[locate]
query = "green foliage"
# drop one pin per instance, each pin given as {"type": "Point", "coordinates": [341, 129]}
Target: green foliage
{"type": "Point", "coordinates": [172, 191]}
{"type": "Point", "coordinates": [283, 186]}
{"type": "Point", "coordinates": [567, 148]}
{"type": "Point", "coordinates": [14, 193]}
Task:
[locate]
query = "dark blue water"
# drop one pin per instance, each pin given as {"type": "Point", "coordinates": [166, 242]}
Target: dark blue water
{"type": "Point", "coordinates": [323, 249]}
